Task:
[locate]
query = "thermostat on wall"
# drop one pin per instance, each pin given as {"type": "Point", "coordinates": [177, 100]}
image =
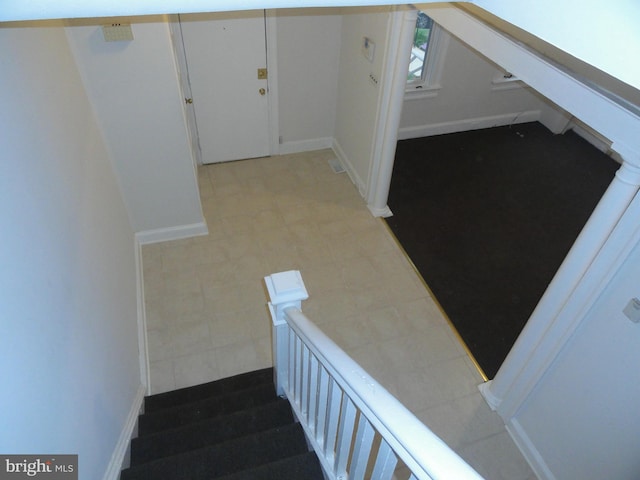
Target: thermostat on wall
{"type": "Point", "coordinates": [368, 48]}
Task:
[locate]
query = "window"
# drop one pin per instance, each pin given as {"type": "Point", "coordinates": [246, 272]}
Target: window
{"type": "Point", "coordinates": [426, 55]}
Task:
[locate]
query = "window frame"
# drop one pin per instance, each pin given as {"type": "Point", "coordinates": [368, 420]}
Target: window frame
{"type": "Point", "coordinates": [428, 84]}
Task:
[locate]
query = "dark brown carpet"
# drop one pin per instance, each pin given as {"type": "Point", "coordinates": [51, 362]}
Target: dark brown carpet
{"type": "Point", "coordinates": [232, 429]}
{"type": "Point", "coordinates": [487, 217]}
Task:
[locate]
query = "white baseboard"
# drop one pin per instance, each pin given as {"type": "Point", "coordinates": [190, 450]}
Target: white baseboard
{"type": "Point", "coordinates": [591, 136]}
{"type": "Point", "coordinates": [489, 397]}
{"type": "Point", "coordinates": [346, 163]}
{"type": "Point", "coordinates": [305, 145]}
{"type": "Point", "coordinates": [143, 350]}
{"type": "Point", "coordinates": [172, 233]}
{"type": "Point", "coordinates": [529, 451]}
{"type": "Point", "coordinates": [380, 212]}
{"type": "Point", "coordinates": [468, 124]}
{"type": "Point", "coordinates": [120, 455]}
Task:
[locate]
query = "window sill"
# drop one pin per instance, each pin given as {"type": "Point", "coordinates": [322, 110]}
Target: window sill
{"type": "Point", "coordinates": [498, 85]}
{"type": "Point", "coordinates": [420, 93]}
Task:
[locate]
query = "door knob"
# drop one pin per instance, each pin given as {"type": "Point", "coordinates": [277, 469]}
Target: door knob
{"type": "Point", "coordinates": [188, 100]}
{"type": "Point", "coordinates": [262, 91]}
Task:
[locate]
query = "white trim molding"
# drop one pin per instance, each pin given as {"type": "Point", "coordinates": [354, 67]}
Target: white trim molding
{"type": "Point", "coordinates": [271, 34]}
{"type": "Point", "coordinates": [120, 455]}
{"type": "Point", "coordinates": [401, 31]}
{"type": "Point", "coordinates": [346, 163]}
{"type": "Point", "coordinates": [529, 451]}
{"type": "Point", "coordinates": [143, 345]}
{"type": "Point", "coordinates": [433, 65]}
{"type": "Point", "coordinates": [309, 145]}
{"type": "Point", "coordinates": [467, 124]}
{"type": "Point", "coordinates": [172, 233]}
{"type": "Point", "coordinates": [384, 212]}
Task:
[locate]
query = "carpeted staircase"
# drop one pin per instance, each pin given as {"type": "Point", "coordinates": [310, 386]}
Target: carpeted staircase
{"type": "Point", "coordinates": [231, 429]}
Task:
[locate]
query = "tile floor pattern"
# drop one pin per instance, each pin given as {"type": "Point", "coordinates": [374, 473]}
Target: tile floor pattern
{"type": "Point", "coordinates": [206, 303]}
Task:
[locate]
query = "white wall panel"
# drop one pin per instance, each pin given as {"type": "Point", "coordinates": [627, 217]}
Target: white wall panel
{"type": "Point", "coordinates": [68, 348]}
{"type": "Point", "coordinates": [359, 88]}
{"type": "Point", "coordinates": [583, 416]}
{"type": "Point", "coordinates": [308, 59]}
{"type": "Point", "coordinates": [133, 87]}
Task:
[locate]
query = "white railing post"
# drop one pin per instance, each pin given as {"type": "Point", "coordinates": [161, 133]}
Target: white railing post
{"type": "Point", "coordinates": [286, 289]}
{"type": "Point", "coordinates": [341, 407]}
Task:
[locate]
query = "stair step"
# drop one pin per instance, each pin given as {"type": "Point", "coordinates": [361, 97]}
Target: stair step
{"type": "Point", "coordinates": [225, 458]}
{"type": "Point", "coordinates": [217, 406]}
{"type": "Point", "coordinates": [210, 431]}
{"type": "Point", "coordinates": [304, 466]}
{"type": "Point", "coordinates": [170, 399]}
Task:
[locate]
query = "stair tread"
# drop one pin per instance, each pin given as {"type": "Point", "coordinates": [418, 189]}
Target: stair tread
{"type": "Point", "coordinates": [224, 458]}
{"type": "Point", "coordinates": [212, 407]}
{"type": "Point", "coordinates": [223, 386]}
{"type": "Point", "coordinates": [304, 466]}
{"type": "Point", "coordinates": [210, 431]}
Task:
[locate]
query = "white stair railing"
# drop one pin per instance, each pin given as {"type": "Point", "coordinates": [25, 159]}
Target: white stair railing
{"type": "Point", "coordinates": [357, 428]}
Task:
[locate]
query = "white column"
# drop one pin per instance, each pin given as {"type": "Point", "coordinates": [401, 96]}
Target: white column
{"type": "Point", "coordinates": [286, 289]}
{"type": "Point", "coordinates": [401, 36]}
{"type": "Point", "coordinates": [547, 330]}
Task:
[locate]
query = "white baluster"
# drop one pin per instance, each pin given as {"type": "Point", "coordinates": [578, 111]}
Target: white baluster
{"type": "Point", "coordinates": [323, 405]}
{"type": "Point", "coordinates": [333, 415]}
{"type": "Point", "coordinates": [297, 382]}
{"type": "Point", "coordinates": [386, 462]}
{"type": "Point", "coordinates": [313, 393]}
{"type": "Point", "coordinates": [304, 373]}
{"type": "Point", "coordinates": [361, 449]}
{"type": "Point", "coordinates": [345, 435]}
{"type": "Point", "coordinates": [291, 352]}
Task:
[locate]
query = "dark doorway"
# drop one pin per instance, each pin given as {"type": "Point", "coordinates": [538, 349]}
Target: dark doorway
{"type": "Point", "coordinates": [487, 216]}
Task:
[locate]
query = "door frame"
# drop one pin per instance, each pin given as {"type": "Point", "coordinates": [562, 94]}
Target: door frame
{"type": "Point", "coordinates": [271, 33]}
{"type": "Point", "coordinates": [272, 67]}
{"type": "Point", "coordinates": [179, 55]}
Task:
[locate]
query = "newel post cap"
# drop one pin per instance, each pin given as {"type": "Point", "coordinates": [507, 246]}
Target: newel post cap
{"type": "Point", "coordinates": [286, 287]}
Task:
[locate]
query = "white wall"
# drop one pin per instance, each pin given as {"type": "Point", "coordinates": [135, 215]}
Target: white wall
{"type": "Point", "coordinates": [583, 416]}
{"type": "Point", "coordinates": [308, 58]}
{"type": "Point", "coordinates": [133, 87]}
{"type": "Point", "coordinates": [467, 98]}
{"type": "Point", "coordinates": [358, 94]}
{"type": "Point", "coordinates": [564, 24]}
{"type": "Point", "coordinates": [552, 52]}
{"type": "Point", "coordinates": [603, 35]}
{"type": "Point", "coordinates": [68, 348]}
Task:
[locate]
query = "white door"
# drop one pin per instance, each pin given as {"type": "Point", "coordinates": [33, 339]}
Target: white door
{"type": "Point", "coordinates": [224, 53]}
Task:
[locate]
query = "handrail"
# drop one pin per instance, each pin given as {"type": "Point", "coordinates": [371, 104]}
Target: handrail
{"type": "Point", "coordinates": [341, 408]}
{"type": "Point", "coordinates": [423, 452]}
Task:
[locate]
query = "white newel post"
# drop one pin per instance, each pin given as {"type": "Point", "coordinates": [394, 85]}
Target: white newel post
{"type": "Point", "coordinates": [286, 289]}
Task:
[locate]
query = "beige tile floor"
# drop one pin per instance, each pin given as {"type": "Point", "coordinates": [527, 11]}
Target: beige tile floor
{"type": "Point", "coordinates": [205, 299]}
